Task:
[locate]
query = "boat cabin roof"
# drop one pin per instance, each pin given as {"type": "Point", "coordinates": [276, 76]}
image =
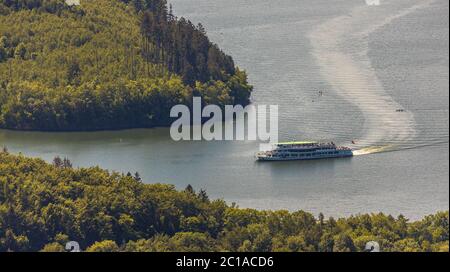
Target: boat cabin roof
{"type": "Point", "coordinates": [298, 143]}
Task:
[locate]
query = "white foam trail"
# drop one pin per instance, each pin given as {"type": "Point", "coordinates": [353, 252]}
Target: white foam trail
{"type": "Point", "coordinates": [340, 47]}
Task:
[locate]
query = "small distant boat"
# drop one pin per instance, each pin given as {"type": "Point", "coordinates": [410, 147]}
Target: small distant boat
{"type": "Point", "coordinates": [304, 151]}
{"type": "Point", "coordinates": [400, 110]}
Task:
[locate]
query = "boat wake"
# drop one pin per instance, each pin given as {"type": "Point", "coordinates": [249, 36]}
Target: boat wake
{"type": "Point", "coordinates": [371, 150]}
{"type": "Point", "coordinates": [340, 48]}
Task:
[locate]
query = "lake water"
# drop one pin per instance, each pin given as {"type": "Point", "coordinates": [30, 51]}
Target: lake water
{"type": "Point", "coordinates": [369, 61]}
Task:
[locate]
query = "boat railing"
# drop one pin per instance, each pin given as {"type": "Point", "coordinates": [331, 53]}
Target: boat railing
{"type": "Point", "coordinates": [311, 146]}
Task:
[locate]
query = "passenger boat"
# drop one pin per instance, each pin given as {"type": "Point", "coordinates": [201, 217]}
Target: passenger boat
{"type": "Point", "coordinates": [304, 151]}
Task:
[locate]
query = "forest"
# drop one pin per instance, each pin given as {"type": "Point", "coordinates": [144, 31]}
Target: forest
{"type": "Point", "coordinates": [79, 68]}
{"type": "Point", "coordinates": [43, 206]}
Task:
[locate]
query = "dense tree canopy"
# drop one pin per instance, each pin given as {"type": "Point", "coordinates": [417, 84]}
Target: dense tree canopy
{"type": "Point", "coordinates": [79, 68]}
{"type": "Point", "coordinates": [43, 206]}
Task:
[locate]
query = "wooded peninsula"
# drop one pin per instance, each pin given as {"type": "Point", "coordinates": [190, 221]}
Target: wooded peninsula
{"type": "Point", "coordinates": [106, 64]}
